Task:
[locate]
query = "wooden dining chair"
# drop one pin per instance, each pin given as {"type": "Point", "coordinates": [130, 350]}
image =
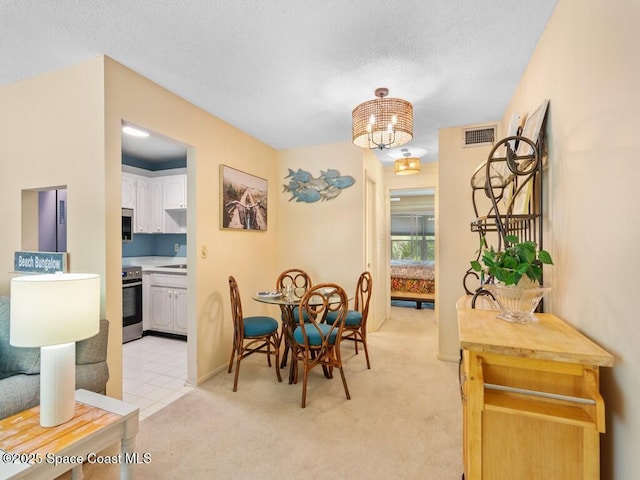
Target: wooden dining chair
{"type": "Point", "coordinates": [258, 334]}
{"type": "Point", "coordinates": [318, 342]}
{"type": "Point", "coordinates": [300, 281]}
{"type": "Point", "coordinates": [355, 323]}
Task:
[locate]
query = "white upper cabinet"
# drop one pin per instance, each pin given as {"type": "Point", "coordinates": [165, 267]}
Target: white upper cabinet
{"type": "Point", "coordinates": [175, 192]}
{"type": "Point", "coordinates": [128, 190]}
{"type": "Point", "coordinates": [159, 203]}
{"type": "Point", "coordinates": [155, 200]}
{"type": "Point", "coordinates": [143, 204]}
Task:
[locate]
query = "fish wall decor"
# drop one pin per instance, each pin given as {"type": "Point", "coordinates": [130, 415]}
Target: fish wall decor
{"type": "Point", "coordinates": [306, 188]}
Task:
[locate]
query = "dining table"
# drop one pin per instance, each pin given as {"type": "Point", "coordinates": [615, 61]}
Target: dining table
{"type": "Point", "coordinates": [287, 304]}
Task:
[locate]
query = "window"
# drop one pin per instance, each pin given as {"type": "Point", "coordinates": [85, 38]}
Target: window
{"type": "Point", "coordinates": [412, 237]}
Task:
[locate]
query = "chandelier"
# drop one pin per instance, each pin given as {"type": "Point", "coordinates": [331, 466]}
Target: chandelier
{"type": "Point", "coordinates": [383, 122]}
{"type": "Point", "coordinates": [407, 165]}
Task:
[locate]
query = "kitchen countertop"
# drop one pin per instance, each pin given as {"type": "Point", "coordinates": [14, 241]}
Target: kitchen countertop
{"type": "Point", "coordinates": [157, 264]}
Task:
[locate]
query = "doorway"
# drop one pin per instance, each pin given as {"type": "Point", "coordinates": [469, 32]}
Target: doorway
{"type": "Point", "coordinates": [412, 236]}
{"type": "Point", "coordinates": [156, 367]}
{"type": "Point", "coordinates": [413, 224]}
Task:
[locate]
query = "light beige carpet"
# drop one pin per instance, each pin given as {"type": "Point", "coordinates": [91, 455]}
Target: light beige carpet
{"type": "Point", "coordinates": [403, 420]}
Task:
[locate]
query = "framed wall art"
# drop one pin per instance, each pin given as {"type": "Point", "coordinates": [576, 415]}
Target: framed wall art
{"type": "Point", "coordinates": [243, 200]}
{"type": "Point", "coordinates": [532, 127]}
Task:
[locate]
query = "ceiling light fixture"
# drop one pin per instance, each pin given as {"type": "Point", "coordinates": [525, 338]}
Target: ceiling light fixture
{"type": "Point", "coordinates": [408, 165]}
{"type": "Point", "coordinates": [383, 122]}
{"type": "Point", "coordinates": [134, 132]}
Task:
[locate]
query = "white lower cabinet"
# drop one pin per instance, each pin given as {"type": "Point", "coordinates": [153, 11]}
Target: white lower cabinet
{"type": "Point", "coordinates": [146, 300]}
{"type": "Point", "coordinates": [168, 303]}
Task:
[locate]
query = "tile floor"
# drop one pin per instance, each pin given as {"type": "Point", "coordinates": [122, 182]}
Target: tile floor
{"type": "Point", "coordinates": [154, 370]}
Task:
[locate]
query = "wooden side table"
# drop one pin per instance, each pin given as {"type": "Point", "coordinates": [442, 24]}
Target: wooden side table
{"type": "Point", "coordinates": [30, 451]}
{"type": "Point", "coordinates": [531, 398]}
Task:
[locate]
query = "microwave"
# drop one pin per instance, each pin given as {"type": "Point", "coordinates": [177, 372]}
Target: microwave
{"type": "Point", "coordinates": [127, 224]}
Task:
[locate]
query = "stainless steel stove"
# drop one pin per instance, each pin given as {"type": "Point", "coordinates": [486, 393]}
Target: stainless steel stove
{"type": "Point", "coordinates": [131, 303]}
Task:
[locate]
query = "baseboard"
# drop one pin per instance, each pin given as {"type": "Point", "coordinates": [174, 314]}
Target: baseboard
{"type": "Point", "coordinates": [174, 336]}
{"type": "Point", "coordinates": [448, 358]}
{"type": "Point", "coordinates": [211, 374]}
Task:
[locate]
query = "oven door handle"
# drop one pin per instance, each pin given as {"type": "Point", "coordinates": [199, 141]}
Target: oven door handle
{"type": "Point", "coordinates": [134, 284]}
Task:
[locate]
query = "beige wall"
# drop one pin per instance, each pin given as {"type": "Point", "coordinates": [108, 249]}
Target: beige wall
{"type": "Point", "coordinates": [64, 129]}
{"type": "Point", "coordinates": [311, 235]}
{"type": "Point", "coordinates": [52, 135]}
{"type": "Point", "coordinates": [456, 244]}
{"type": "Point", "coordinates": [328, 238]}
{"type": "Point", "coordinates": [587, 65]}
{"type": "Point", "coordinates": [131, 97]}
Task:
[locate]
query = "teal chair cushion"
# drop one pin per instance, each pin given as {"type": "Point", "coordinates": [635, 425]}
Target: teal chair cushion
{"type": "Point", "coordinates": [296, 315]}
{"type": "Point", "coordinates": [258, 326]}
{"type": "Point", "coordinates": [314, 336]}
{"type": "Point", "coordinates": [354, 318]}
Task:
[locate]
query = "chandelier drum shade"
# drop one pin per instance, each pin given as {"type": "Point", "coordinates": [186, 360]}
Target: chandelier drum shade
{"type": "Point", "coordinates": [407, 166]}
{"type": "Point", "coordinates": [383, 122]}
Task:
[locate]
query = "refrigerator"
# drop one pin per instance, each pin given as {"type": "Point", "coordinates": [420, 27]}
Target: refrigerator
{"type": "Point", "coordinates": [52, 220]}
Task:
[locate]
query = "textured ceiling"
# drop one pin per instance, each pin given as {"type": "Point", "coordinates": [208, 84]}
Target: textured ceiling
{"type": "Point", "coordinates": [289, 72]}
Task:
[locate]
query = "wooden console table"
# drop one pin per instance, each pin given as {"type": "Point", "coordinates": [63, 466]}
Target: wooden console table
{"type": "Point", "coordinates": [531, 401]}
{"type": "Point", "coordinates": [33, 452]}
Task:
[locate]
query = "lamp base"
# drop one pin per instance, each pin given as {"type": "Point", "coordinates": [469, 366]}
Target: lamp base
{"type": "Point", "coordinates": [57, 384]}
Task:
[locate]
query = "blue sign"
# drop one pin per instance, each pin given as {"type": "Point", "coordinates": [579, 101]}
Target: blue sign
{"type": "Point", "coordinates": [40, 262]}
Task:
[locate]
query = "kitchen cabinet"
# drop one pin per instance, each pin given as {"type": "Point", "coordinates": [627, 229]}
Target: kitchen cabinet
{"type": "Point", "coordinates": [149, 218]}
{"type": "Point", "coordinates": [531, 398]}
{"type": "Point", "coordinates": [146, 300]}
{"type": "Point", "coordinates": [175, 192]}
{"type": "Point", "coordinates": [158, 203]}
{"type": "Point", "coordinates": [143, 205]}
{"type": "Point", "coordinates": [156, 217]}
{"type": "Point", "coordinates": [168, 299]}
{"type": "Point", "coordinates": [128, 190]}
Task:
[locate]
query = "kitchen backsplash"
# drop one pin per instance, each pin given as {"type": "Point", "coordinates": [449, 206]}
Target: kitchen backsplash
{"type": "Point", "coordinates": [160, 245]}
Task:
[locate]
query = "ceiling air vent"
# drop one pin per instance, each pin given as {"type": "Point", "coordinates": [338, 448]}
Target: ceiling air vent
{"type": "Point", "coordinates": [476, 137]}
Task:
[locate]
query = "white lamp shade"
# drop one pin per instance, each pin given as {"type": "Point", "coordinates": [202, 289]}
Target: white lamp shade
{"type": "Point", "coordinates": [54, 309]}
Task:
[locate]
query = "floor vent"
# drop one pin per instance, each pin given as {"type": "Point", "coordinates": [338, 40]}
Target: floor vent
{"type": "Point", "coordinates": [475, 137]}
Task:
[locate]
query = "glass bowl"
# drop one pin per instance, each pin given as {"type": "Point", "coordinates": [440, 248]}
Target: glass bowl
{"type": "Point", "coordinates": [517, 303]}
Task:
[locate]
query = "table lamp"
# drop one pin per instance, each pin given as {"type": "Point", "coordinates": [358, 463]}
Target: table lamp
{"type": "Point", "coordinates": [53, 311]}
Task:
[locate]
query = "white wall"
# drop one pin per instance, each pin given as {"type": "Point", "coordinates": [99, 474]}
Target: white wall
{"type": "Point", "coordinates": [587, 65]}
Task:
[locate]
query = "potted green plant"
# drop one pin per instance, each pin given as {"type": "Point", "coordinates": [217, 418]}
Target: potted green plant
{"type": "Point", "coordinates": [508, 266]}
{"type": "Point", "coordinates": [517, 299]}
